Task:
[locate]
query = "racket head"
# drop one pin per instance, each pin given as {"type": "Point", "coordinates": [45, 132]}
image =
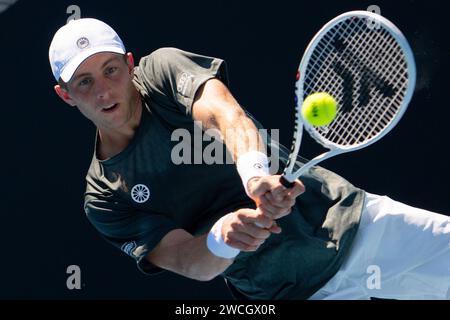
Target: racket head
{"type": "Point", "coordinates": [365, 62]}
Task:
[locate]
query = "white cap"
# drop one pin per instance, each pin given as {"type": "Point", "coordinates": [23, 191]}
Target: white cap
{"type": "Point", "coordinates": [77, 41]}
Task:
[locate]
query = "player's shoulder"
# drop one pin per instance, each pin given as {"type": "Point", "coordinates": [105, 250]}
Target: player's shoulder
{"type": "Point", "coordinates": [162, 55]}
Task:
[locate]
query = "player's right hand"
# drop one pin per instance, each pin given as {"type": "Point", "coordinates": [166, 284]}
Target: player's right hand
{"type": "Point", "coordinates": [272, 197]}
{"type": "Point", "coordinates": [247, 229]}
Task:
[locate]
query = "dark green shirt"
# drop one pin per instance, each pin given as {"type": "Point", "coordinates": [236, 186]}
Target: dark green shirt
{"type": "Point", "coordinates": [136, 197]}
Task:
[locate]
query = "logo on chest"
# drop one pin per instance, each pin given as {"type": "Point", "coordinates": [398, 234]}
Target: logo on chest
{"type": "Point", "coordinates": [140, 193]}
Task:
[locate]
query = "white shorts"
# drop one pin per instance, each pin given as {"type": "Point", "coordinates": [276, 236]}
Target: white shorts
{"type": "Point", "coordinates": [399, 252]}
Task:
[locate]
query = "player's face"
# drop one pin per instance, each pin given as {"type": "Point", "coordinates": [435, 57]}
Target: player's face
{"type": "Point", "coordinates": [102, 90]}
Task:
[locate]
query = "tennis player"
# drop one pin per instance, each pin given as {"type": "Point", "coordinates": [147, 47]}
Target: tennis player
{"type": "Point", "coordinates": [321, 239]}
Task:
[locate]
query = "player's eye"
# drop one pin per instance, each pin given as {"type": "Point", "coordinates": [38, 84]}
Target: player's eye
{"type": "Point", "coordinates": [85, 82]}
{"type": "Point", "coordinates": [111, 70]}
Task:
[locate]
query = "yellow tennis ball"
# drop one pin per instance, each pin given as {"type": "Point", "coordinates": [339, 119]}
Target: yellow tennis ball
{"type": "Point", "coordinates": [319, 109]}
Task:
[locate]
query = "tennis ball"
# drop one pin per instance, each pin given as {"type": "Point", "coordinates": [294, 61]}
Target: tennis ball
{"type": "Point", "coordinates": [319, 109]}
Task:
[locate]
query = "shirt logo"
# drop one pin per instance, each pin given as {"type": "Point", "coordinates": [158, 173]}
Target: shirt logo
{"type": "Point", "coordinates": [140, 193]}
{"type": "Point", "coordinates": [183, 83]}
{"type": "Point", "coordinates": [82, 43]}
{"type": "Point", "coordinates": [128, 247]}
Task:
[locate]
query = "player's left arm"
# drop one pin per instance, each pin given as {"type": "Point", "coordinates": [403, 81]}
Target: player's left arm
{"type": "Point", "coordinates": [216, 108]}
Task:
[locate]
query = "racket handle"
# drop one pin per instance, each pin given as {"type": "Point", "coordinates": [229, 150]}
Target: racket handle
{"type": "Point", "coordinates": [286, 183]}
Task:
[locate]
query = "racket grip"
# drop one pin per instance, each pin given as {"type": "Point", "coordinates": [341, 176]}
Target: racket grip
{"type": "Point", "coordinates": [286, 183]}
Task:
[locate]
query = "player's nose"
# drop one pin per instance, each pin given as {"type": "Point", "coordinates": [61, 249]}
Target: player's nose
{"type": "Point", "coordinates": [102, 90]}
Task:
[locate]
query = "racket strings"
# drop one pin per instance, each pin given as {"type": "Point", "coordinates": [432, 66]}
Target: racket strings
{"type": "Point", "coordinates": [368, 100]}
{"type": "Point", "coordinates": [337, 67]}
{"type": "Point", "coordinates": [352, 130]}
{"type": "Point", "coordinates": [367, 112]}
{"type": "Point", "coordinates": [398, 72]}
{"type": "Point", "coordinates": [362, 95]}
{"type": "Point", "coordinates": [327, 47]}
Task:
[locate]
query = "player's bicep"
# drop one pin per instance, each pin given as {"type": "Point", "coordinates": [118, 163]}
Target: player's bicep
{"type": "Point", "coordinates": [215, 105]}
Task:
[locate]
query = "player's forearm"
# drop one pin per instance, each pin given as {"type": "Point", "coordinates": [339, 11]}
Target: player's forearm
{"type": "Point", "coordinates": [191, 258]}
{"type": "Point", "coordinates": [199, 263]}
{"type": "Point", "coordinates": [240, 133]}
{"type": "Point", "coordinates": [217, 109]}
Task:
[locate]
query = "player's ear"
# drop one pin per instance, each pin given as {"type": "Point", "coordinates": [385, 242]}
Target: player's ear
{"type": "Point", "coordinates": [64, 95]}
{"type": "Point", "coordinates": [130, 62]}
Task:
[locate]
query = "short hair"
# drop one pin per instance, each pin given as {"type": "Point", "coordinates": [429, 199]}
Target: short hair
{"type": "Point", "coordinates": [63, 84]}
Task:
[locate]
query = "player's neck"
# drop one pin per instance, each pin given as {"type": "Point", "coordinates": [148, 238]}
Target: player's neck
{"type": "Point", "coordinates": [112, 142]}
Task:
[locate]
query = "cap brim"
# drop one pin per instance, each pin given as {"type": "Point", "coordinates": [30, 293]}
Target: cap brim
{"type": "Point", "coordinates": [73, 65]}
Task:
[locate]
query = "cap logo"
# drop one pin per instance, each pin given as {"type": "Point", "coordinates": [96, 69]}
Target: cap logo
{"type": "Point", "coordinates": [82, 43]}
{"type": "Point", "coordinates": [258, 166]}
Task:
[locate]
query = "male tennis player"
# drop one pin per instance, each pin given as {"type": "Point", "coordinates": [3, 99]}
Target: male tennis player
{"type": "Point", "coordinates": [320, 239]}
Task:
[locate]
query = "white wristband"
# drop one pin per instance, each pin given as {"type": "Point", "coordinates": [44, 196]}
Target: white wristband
{"type": "Point", "coordinates": [252, 164]}
{"type": "Point", "coordinates": [215, 242]}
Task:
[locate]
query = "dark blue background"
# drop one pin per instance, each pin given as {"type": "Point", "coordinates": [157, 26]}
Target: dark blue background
{"type": "Point", "coordinates": [47, 146]}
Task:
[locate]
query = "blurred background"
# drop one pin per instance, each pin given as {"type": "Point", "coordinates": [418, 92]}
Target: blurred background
{"type": "Point", "coordinates": [47, 146]}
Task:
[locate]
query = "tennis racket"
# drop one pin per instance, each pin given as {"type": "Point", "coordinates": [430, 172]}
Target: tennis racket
{"type": "Point", "coordinates": [366, 64]}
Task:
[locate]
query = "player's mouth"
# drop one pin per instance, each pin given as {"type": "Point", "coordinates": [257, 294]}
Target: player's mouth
{"type": "Point", "coordinates": [110, 108]}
